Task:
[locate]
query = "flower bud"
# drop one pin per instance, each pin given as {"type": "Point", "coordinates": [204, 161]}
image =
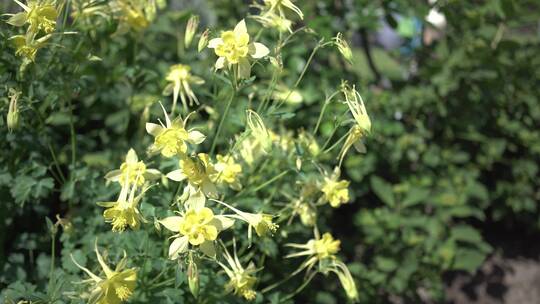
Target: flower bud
{"type": "Point", "coordinates": [193, 278]}
{"type": "Point", "coordinates": [203, 41]}
{"type": "Point", "coordinates": [191, 29]}
{"type": "Point", "coordinates": [13, 111]}
{"type": "Point", "coordinates": [343, 47]}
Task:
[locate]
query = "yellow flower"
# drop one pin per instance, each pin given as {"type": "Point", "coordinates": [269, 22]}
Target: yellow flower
{"type": "Point", "coordinates": [346, 279]}
{"type": "Point", "coordinates": [261, 222]}
{"type": "Point", "coordinates": [197, 171]}
{"type": "Point", "coordinates": [198, 226]}
{"type": "Point", "coordinates": [241, 280]}
{"type": "Point", "coordinates": [124, 212]}
{"type": "Point", "coordinates": [27, 46]}
{"type": "Point", "coordinates": [116, 287]}
{"type": "Point", "coordinates": [279, 5]}
{"type": "Point", "coordinates": [234, 48]}
{"type": "Point", "coordinates": [327, 246]}
{"type": "Point", "coordinates": [362, 124]}
{"type": "Point", "coordinates": [12, 119]}
{"type": "Point", "coordinates": [171, 139]}
{"type": "Point", "coordinates": [272, 20]}
{"type": "Point", "coordinates": [335, 191]}
{"type": "Point", "coordinates": [180, 80]}
{"type": "Point", "coordinates": [343, 47]}
{"type": "Point", "coordinates": [316, 249]}
{"type": "Point", "coordinates": [132, 171]}
{"type": "Point", "coordinates": [227, 171]}
{"type": "Point", "coordinates": [40, 15]}
{"type": "Point", "coordinates": [133, 15]}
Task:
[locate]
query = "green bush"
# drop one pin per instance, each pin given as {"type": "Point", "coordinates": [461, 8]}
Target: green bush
{"type": "Point", "coordinates": [453, 148]}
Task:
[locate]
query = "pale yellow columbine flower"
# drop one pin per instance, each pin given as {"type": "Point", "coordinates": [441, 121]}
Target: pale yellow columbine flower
{"type": "Point", "coordinates": [362, 125]}
{"type": "Point", "coordinates": [272, 20]}
{"type": "Point", "coordinates": [234, 49]}
{"type": "Point", "coordinates": [181, 79]}
{"type": "Point", "coordinates": [124, 212]}
{"type": "Point", "coordinates": [134, 15]}
{"type": "Point", "coordinates": [316, 249]}
{"type": "Point", "coordinates": [241, 280]}
{"type": "Point", "coordinates": [324, 250]}
{"type": "Point", "coordinates": [171, 139]}
{"type": "Point", "coordinates": [12, 119]}
{"type": "Point", "coordinates": [346, 279]}
{"type": "Point", "coordinates": [132, 171]}
{"type": "Point", "coordinates": [197, 171]}
{"type": "Point", "coordinates": [40, 15]}
{"type": "Point", "coordinates": [257, 129]}
{"type": "Point", "coordinates": [116, 287]}
{"type": "Point", "coordinates": [198, 226]}
{"type": "Point", "coordinates": [280, 5]}
{"type": "Point", "coordinates": [26, 46]}
{"type": "Point", "coordinates": [261, 222]}
{"type": "Point", "coordinates": [335, 191]}
{"type": "Point", "coordinates": [227, 171]}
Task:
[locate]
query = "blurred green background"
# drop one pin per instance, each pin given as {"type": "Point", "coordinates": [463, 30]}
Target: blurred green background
{"type": "Point", "coordinates": [451, 172]}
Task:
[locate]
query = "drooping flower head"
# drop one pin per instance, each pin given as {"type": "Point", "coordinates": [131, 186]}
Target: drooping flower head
{"type": "Point", "coordinates": [362, 123]}
{"type": "Point", "coordinates": [133, 15]}
{"type": "Point", "coordinates": [116, 287]}
{"type": "Point", "coordinates": [181, 79]}
{"type": "Point", "coordinates": [171, 139]}
{"type": "Point", "coordinates": [26, 46]}
{"type": "Point", "coordinates": [317, 249]}
{"type": "Point", "coordinates": [124, 212]}
{"type": "Point", "coordinates": [234, 49]}
{"type": "Point", "coordinates": [241, 280]}
{"type": "Point", "coordinates": [261, 222]}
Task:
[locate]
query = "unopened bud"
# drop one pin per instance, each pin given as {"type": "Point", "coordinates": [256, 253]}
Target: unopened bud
{"type": "Point", "coordinates": [343, 47]}
{"type": "Point", "coordinates": [203, 41]}
{"type": "Point", "coordinates": [193, 278]}
{"type": "Point", "coordinates": [13, 111]}
{"type": "Point", "coordinates": [191, 29]}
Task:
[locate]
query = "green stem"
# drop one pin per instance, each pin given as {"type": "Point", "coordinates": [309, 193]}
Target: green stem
{"type": "Point", "coordinates": [336, 143]}
{"type": "Point", "coordinates": [326, 102]}
{"type": "Point", "coordinates": [218, 132]}
{"type": "Point", "coordinates": [299, 289]}
{"type": "Point", "coordinates": [73, 138]}
{"type": "Point", "coordinates": [270, 181]}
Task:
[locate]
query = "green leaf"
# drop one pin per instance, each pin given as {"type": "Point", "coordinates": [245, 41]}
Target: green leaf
{"type": "Point", "coordinates": [415, 196]}
{"type": "Point", "coordinates": [383, 190]}
{"type": "Point", "coordinates": [468, 260]}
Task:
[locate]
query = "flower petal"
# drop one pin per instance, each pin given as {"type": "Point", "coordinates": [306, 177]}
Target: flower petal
{"type": "Point", "coordinates": [196, 137]}
{"type": "Point", "coordinates": [240, 28]}
{"type": "Point", "coordinates": [172, 223]}
{"type": "Point", "coordinates": [178, 246]}
{"type": "Point", "coordinates": [176, 175]}
{"type": "Point", "coordinates": [153, 129]}
{"type": "Point", "coordinates": [213, 43]}
{"type": "Point", "coordinates": [258, 50]}
{"type": "Point", "coordinates": [220, 63]}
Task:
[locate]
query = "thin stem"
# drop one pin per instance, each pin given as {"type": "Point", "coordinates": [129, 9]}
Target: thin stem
{"type": "Point", "coordinates": [299, 289]}
{"type": "Point", "coordinates": [73, 138]}
{"type": "Point", "coordinates": [227, 107]}
{"type": "Point", "coordinates": [326, 102]}
{"type": "Point", "coordinates": [270, 181]}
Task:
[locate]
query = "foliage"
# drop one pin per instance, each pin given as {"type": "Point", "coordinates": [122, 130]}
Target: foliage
{"type": "Point", "coordinates": [453, 147]}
